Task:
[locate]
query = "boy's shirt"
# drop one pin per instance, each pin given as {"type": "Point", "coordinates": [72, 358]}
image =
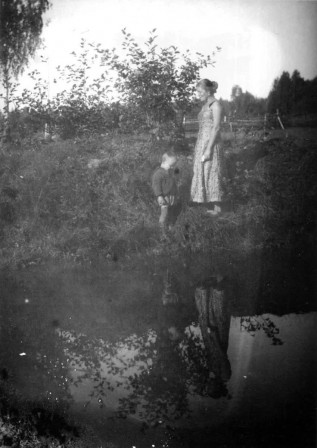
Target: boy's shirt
{"type": "Point", "coordinates": [163, 182]}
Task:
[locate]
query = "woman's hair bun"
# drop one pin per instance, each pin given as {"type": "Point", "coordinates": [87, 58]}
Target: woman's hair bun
{"type": "Point", "coordinates": [212, 86]}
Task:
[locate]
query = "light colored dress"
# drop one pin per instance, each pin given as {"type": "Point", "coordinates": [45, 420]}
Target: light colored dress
{"type": "Point", "coordinates": [207, 180]}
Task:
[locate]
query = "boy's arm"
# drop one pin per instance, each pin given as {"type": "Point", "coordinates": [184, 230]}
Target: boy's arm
{"type": "Point", "coordinates": [157, 187]}
{"type": "Point", "coordinates": [157, 184]}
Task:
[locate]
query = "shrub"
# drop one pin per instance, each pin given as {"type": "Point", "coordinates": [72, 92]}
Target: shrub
{"type": "Point", "coordinates": [154, 83]}
{"type": "Point", "coordinates": [152, 86]}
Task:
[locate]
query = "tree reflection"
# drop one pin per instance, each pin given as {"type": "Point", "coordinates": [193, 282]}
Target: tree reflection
{"type": "Point", "coordinates": [154, 375]}
{"type": "Point", "coordinates": [251, 324]}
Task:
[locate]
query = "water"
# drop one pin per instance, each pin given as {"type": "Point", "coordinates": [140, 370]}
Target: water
{"type": "Point", "coordinates": [187, 352]}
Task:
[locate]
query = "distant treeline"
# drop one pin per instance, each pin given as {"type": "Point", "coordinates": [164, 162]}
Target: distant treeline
{"type": "Point", "coordinates": [290, 94]}
{"type": "Point", "coordinates": [293, 94]}
{"type": "Point", "coordinates": [243, 104]}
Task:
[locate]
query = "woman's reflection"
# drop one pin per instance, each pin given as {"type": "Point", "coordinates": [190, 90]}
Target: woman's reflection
{"type": "Point", "coordinates": [214, 320]}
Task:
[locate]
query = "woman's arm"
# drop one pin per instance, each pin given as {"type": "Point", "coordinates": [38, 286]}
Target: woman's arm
{"type": "Point", "coordinates": [216, 109]}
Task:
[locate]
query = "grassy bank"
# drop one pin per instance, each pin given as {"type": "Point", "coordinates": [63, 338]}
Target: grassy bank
{"type": "Point", "coordinates": [91, 198]}
{"type": "Point", "coordinates": [74, 198]}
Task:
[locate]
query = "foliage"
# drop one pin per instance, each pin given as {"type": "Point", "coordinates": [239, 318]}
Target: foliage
{"type": "Point", "coordinates": [21, 27]}
{"type": "Point", "coordinates": [251, 324]}
{"type": "Point", "coordinates": [153, 82]}
{"type": "Point", "coordinates": [244, 104]}
{"type": "Point", "coordinates": [293, 94]}
{"type": "Point", "coordinates": [145, 89]}
{"type": "Point", "coordinates": [83, 106]}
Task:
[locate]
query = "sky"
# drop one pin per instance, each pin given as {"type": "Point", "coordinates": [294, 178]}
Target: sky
{"type": "Point", "coordinates": [259, 38]}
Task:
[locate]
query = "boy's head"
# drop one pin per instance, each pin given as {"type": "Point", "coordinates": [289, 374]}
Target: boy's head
{"type": "Point", "coordinates": [168, 159]}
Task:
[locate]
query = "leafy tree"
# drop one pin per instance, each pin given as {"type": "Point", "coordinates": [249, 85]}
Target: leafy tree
{"type": "Point", "coordinates": [83, 106]}
{"type": "Point", "coordinates": [226, 107]}
{"type": "Point", "coordinates": [272, 101]}
{"type": "Point", "coordinates": [285, 93]}
{"type": "Point", "coordinates": [236, 92]}
{"type": "Point", "coordinates": [153, 88]}
{"type": "Point", "coordinates": [154, 83]}
{"type": "Point", "coordinates": [298, 86]}
{"type": "Point", "coordinates": [21, 25]}
{"type": "Point", "coordinates": [245, 104]}
{"type": "Point", "coordinates": [309, 98]}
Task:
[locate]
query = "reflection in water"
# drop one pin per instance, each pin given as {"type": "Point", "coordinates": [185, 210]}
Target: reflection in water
{"type": "Point", "coordinates": [214, 322]}
{"type": "Point", "coordinates": [169, 296]}
{"type": "Point", "coordinates": [152, 376]}
{"type": "Point", "coordinates": [251, 324]}
{"type": "Point", "coordinates": [139, 376]}
{"type": "Point", "coordinates": [198, 353]}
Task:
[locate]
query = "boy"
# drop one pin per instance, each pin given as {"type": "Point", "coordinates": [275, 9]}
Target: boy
{"type": "Point", "coordinates": [164, 187]}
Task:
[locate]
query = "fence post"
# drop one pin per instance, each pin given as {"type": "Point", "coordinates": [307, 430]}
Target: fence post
{"type": "Point", "coordinates": [279, 119]}
{"type": "Point", "coordinates": [265, 122]}
{"type": "Point", "coordinates": [47, 132]}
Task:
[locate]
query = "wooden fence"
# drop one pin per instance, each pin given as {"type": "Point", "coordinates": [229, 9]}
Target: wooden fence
{"type": "Point", "coordinates": [266, 122]}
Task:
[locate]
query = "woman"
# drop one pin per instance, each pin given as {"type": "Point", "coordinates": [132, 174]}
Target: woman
{"type": "Point", "coordinates": [206, 185]}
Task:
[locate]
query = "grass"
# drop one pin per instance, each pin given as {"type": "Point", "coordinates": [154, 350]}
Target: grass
{"type": "Point", "coordinates": [63, 208]}
{"type": "Point", "coordinates": [91, 199]}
